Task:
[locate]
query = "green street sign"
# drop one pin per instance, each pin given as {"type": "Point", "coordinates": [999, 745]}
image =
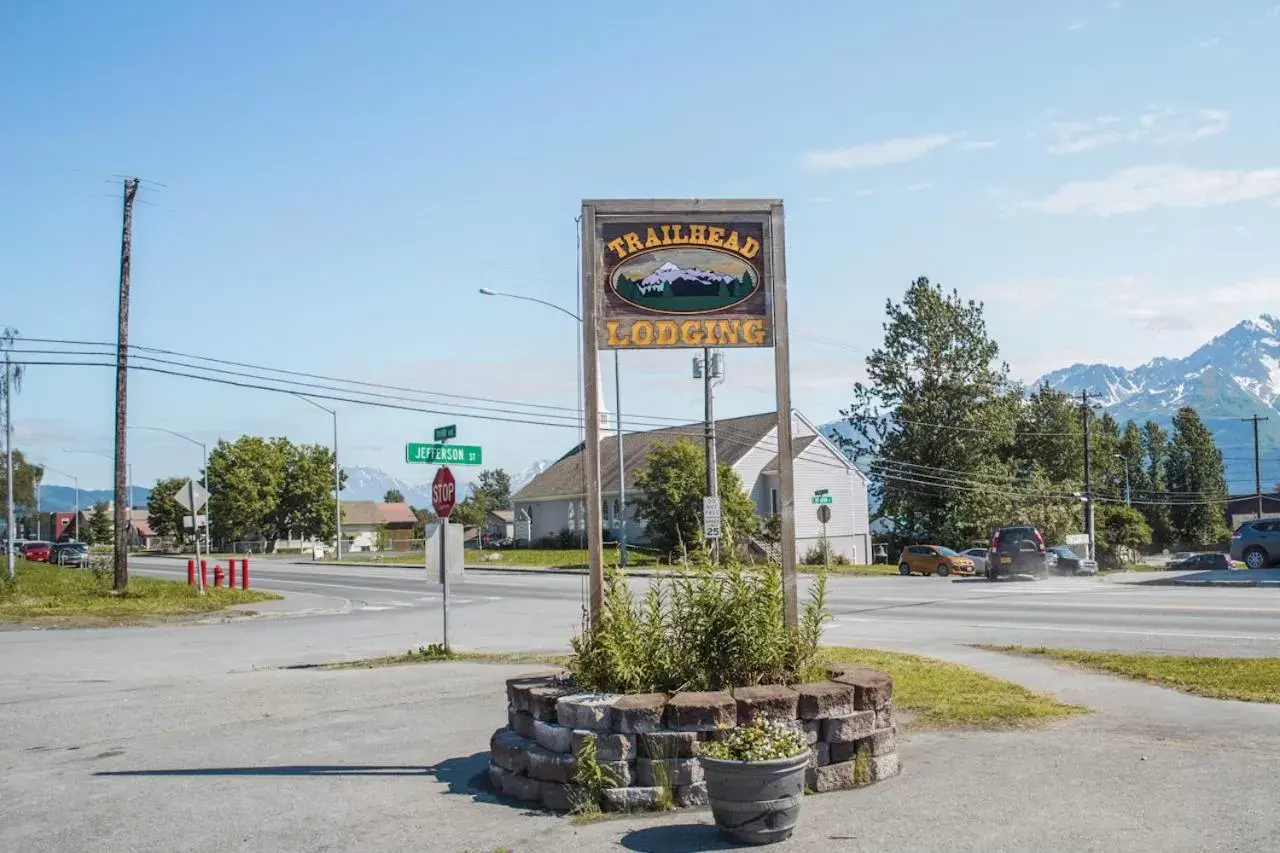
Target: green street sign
{"type": "Point", "coordinates": [442, 454]}
{"type": "Point", "coordinates": [820, 491]}
{"type": "Point", "coordinates": [823, 500]}
{"type": "Point", "coordinates": [445, 433]}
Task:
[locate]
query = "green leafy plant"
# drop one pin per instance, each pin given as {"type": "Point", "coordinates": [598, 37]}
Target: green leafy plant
{"type": "Point", "coordinates": [434, 651]}
{"type": "Point", "coordinates": [763, 740]}
{"type": "Point", "coordinates": [698, 627]}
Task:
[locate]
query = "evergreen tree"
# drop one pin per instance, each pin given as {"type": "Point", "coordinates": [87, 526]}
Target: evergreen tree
{"type": "Point", "coordinates": [393, 496]}
{"type": "Point", "coordinates": [1197, 483]}
{"type": "Point", "coordinates": [936, 414]}
{"type": "Point", "coordinates": [99, 530]}
{"type": "Point", "coordinates": [1151, 485]}
{"type": "Point", "coordinates": [1050, 436]}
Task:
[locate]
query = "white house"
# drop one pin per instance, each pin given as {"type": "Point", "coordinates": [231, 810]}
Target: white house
{"type": "Point", "coordinates": [554, 503]}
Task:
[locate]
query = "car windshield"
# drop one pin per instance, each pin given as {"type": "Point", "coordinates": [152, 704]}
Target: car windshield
{"type": "Point", "coordinates": [946, 552]}
{"type": "Point", "coordinates": [1063, 551]}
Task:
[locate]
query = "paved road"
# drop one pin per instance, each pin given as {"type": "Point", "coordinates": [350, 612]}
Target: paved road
{"type": "Point", "coordinates": [367, 611]}
{"type": "Point", "coordinates": [1105, 613]}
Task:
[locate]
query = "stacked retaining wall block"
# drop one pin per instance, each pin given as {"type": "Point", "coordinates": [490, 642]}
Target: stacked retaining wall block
{"type": "Point", "coordinates": [646, 744]}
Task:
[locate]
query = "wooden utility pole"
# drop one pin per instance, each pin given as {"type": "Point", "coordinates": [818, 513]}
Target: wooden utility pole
{"type": "Point", "coordinates": [122, 497]}
{"type": "Point", "coordinates": [1257, 462]}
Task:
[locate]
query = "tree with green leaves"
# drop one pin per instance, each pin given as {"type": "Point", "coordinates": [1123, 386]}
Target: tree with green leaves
{"type": "Point", "coordinates": [1049, 436]}
{"type": "Point", "coordinates": [671, 486]}
{"type": "Point", "coordinates": [164, 513]}
{"type": "Point", "coordinates": [304, 505]}
{"type": "Point", "coordinates": [101, 525]}
{"type": "Point", "coordinates": [270, 488]}
{"type": "Point", "coordinates": [1119, 530]}
{"type": "Point", "coordinates": [494, 489]}
{"type": "Point", "coordinates": [470, 512]}
{"type": "Point", "coordinates": [1151, 486]}
{"type": "Point", "coordinates": [424, 517]}
{"type": "Point", "coordinates": [393, 496]}
{"type": "Point", "coordinates": [937, 399]}
{"type": "Point", "coordinates": [26, 480]}
{"type": "Point", "coordinates": [1197, 483]}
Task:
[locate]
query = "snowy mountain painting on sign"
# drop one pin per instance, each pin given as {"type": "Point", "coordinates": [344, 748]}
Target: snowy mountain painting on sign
{"type": "Point", "coordinates": [684, 280]}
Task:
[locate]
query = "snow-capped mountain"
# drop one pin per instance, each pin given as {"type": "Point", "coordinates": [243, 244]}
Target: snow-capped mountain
{"type": "Point", "coordinates": [1236, 375]}
{"type": "Point", "coordinates": [669, 273]}
{"type": "Point", "coordinates": [521, 479]}
{"type": "Point", "coordinates": [372, 484]}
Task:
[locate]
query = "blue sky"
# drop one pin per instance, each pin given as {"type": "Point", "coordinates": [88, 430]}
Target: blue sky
{"type": "Point", "coordinates": [341, 178]}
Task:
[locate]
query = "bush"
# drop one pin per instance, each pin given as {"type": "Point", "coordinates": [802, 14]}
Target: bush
{"type": "Point", "coordinates": [817, 555]}
{"type": "Point", "coordinates": [701, 627]}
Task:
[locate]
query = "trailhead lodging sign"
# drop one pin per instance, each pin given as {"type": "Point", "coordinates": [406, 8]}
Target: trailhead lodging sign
{"type": "Point", "coordinates": [685, 274]}
{"type": "Point", "coordinates": [685, 281]}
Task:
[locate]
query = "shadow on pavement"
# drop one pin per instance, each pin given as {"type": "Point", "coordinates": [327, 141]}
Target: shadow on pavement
{"type": "Point", "coordinates": [466, 776]}
{"type": "Point", "coordinates": [685, 838]}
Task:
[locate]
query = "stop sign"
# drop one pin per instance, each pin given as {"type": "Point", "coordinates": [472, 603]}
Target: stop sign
{"type": "Point", "coordinates": [444, 492]}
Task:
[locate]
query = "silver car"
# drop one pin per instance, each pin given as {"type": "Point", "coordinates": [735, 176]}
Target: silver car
{"type": "Point", "coordinates": [979, 557]}
{"type": "Point", "coordinates": [1257, 543]}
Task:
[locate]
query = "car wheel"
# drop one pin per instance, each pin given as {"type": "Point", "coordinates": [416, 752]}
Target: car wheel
{"type": "Point", "coordinates": [943, 570]}
{"type": "Point", "coordinates": [1255, 558]}
{"type": "Point", "coordinates": [904, 570]}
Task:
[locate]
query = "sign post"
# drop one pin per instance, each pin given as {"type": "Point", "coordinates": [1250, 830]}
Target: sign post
{"type": "Point", "coordinates": [685, 274]}
{"type": "Point", "coordinates": [192, 496]}
{"type": "Point", "coordinates": [444, 494]}
{"type": "Point", "coordinates": [824, 515]}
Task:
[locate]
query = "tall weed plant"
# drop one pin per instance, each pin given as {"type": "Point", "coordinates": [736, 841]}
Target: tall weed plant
{"type": "Point", "coordinates": [698, 627]}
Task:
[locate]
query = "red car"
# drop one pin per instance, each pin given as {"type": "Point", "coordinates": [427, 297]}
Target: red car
{"type": "Point", "coordinates": [36, 551]}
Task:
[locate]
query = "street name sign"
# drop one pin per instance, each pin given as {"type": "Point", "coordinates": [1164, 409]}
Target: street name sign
{"type": "Point", "coordinates": [443, 454]}
{"type": "Point", "coordinates": [445, 433]}
{"type": "Point", "coordinates": [823, 500]}
{"type": "Point", "coordinates": [444, 494]}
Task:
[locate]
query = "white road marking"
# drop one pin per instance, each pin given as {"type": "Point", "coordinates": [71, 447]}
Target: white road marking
{"type": "Point", "coordinates": [1069, 630]}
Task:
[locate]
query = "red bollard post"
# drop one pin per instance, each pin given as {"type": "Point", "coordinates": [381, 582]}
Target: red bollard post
{"type": "Point", "coordinates": [191, 572]}
{"type": "Point", "coordinates": [244, 573]}
{"type": "Point", "coordinates": [204, 573]}
{"type": "Point", "coordinates": [217, 575]}
{"type": "Point", "coordinates": [231, 573]}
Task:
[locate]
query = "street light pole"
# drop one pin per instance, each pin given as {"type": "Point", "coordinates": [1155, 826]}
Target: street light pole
{"type": "Point", "coordinates": [76, 481]}
{"type": "Point", "coordinates": [337, 481]}
{"type": "Point", "coordinates": [617, 389]}
{"type": "Point", "coordinates": [1125, 460]}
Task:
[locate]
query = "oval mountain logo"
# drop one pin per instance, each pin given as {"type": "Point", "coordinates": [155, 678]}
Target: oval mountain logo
{"type": "Point", "coordinates": [684, 280]}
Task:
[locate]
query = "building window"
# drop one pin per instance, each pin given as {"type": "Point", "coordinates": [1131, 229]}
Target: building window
{"type": "Point", "coordinates": [773, 501]}
{"type": "Point", "coordinates": [573, 524]}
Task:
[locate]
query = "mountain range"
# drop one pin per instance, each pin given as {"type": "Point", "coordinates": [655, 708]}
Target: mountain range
{"type": "Point", "coordinates": [1234, 376]}
{"type": "Point", "coordinates": [669, 273]}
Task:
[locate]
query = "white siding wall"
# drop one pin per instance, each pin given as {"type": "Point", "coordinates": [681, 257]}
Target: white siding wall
{"type": "Point", "coordinates": [819, 468]}
{"type": "Point", "coordinates": [550, 517]}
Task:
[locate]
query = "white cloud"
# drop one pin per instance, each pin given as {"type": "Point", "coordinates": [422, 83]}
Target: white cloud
{"type": "Point", "coordinates": [917, 187]}
{"type": "Point", "coordinates": [876, 153]}
{"type": "Point", "coordinates": [819, 199]}
{"type": "Point", "coordinates": [1078, 25]}
{"type": "Point", "coordinates": [971, 144]}
{"type": "Point", "coordinates": [1151, 305]}
{"type": "Point", "coordinates": [1159, 125]}
{"type": "Point", "coordinates": [862, 192]}
{"type": "Point", "coordinates": [1144, 187]}
{"type": "Point", "coordinates": [1213, 42]}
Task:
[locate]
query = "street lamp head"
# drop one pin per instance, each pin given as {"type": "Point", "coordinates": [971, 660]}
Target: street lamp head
{"type": "Point", "coordinates": [486, 291]}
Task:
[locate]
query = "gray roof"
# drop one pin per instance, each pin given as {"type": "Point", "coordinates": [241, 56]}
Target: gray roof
{"type": "Point", "coordinates": [734, 437]}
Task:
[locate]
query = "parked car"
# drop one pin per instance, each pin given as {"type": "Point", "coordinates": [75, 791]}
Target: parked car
{"type": "Point", "coordinates": [1178, 558]}
{"type": "Point", "coordinates": [979, 557]}
{"type": "Point", "coordinates": [70, 554]}
{"type": "Point", "coordinates": [1257, 543]}
{"type": "Point", "coordinates": [933, 560]}
{"type": "Point", "coordinates": [36, 551]}
{"type": "Point", "coordinates": [1206, 562]}
{"type": "Point", "coordinates": [1017, 550]}
{"type": "Point", "coordinates": [1068, 562]}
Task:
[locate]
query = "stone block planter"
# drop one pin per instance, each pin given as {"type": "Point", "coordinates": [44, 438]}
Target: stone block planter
{"type": "Point", "coordinates": [647, 743]}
